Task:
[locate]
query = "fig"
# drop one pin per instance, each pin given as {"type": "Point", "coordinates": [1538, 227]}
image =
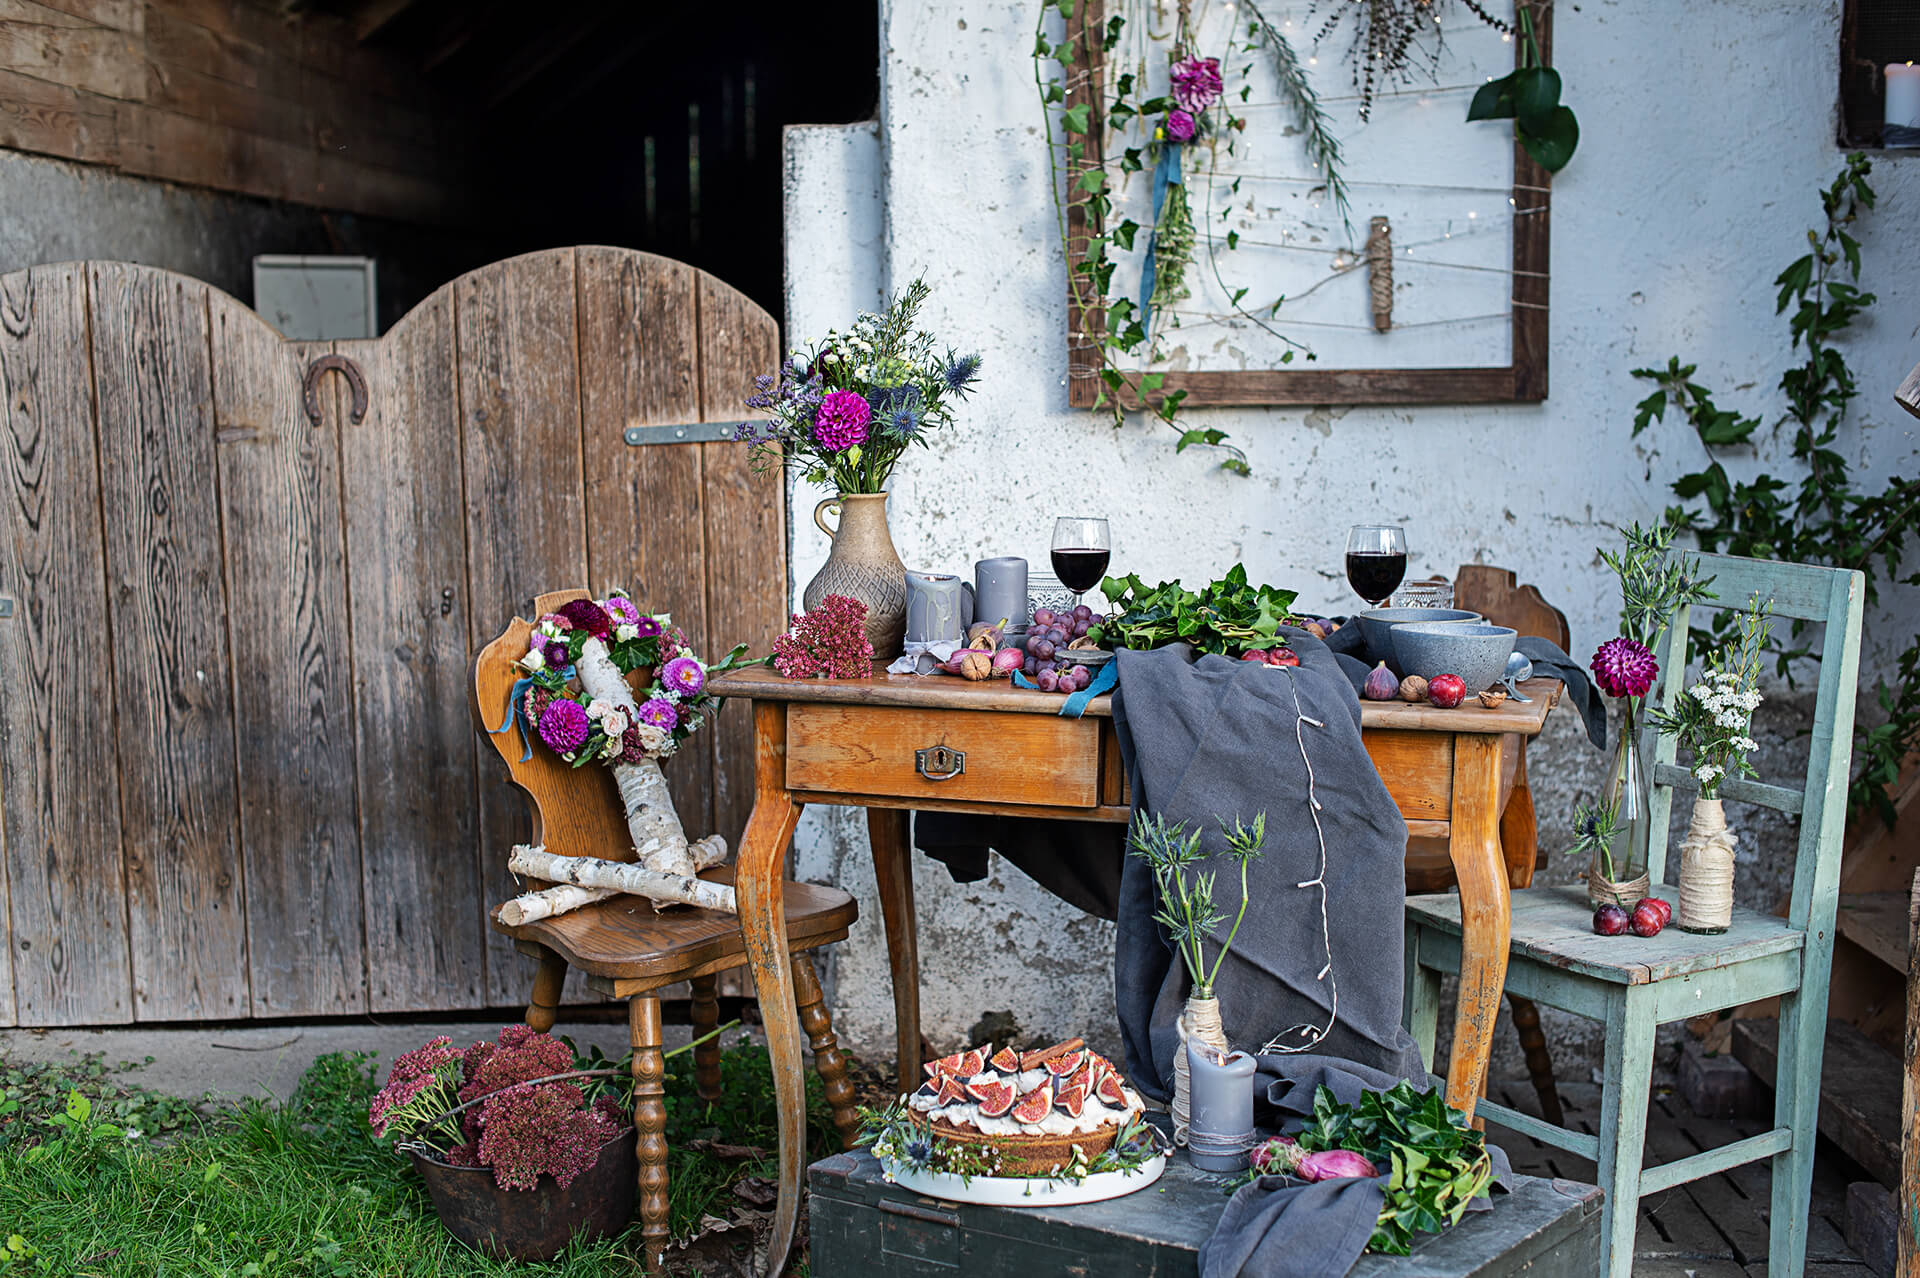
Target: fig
{"type": "Point", "coordinates": [1109, 1090]}
{"type": "Point", "coordinates": [1610, 920]}
{"type": "Point", "coordinates": [1282, 657]}
{"type": "Point", "coordinates": [1073, 1099]}
{"type": "Point", "coordinates": [1066, 1066]}
{"type": "Point", "coordinates": [986, 634]}
{"type": "Point", "coordinates": [1035, 1105]}
{"type": "Point", "coordinates": [980, 1087]}
{"type": "Point", "coordinates": [1006, 1060]}
{"type": "Point", "coordinates": [951, 1092]}
{"type": "Point", "coordinates": [944, 1065]}
{"type": "Point", "coordinates": [995, 1098]}
{"type": "Point", "coordinates": [1446, 690]}
{"type": "Point", "coordinates": [971, 1062]}
{"type": "Point", "coordinates": [1413, 688]}
{"type": "Point", "coordinates": [1648, 918]}
{"type": "Point", "coordinates": [1380, 684]}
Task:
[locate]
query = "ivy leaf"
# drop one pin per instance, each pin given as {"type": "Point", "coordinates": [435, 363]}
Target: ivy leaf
{"type": "Point", "coordinates": [1076, 117]}
{"type": "Point", "coordinates": [1536, 94]}
{"type": "Point", "coordinates": [1651, 409]}
{"type": "Point", "coordinates": [1493, 100]}
{"type": "Point", "coordinates": [1552, 146]}
{"type": "Point", "coordinates": [1793, 280]}
{"type": "Point", "coordinates": [1123, 234]}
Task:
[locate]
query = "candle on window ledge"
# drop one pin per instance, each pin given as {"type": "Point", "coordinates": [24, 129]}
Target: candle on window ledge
{"type": "Point", "coordinates": [1220, 1131]}
{"type": "Point", "coordinates": [1902, 126]}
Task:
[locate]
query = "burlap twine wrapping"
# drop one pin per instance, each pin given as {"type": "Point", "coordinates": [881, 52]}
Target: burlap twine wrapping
{"type": "Point", "coordinates": [1201, 1020]}
{"type": "Point", "coordinates": [1706, 870]}
{"type": "Point", "coordinates": [1625, 893]}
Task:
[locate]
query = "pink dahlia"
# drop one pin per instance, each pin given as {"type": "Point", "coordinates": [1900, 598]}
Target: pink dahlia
{"type": "Point", "coordinates": [659, 712]}
{"type": "Point", "coordinates": [622, 610]}
{"type": "Point", "coordinates": [1197, 83]}
{"type": "Point", "coordinates": [842, 421]}
{"type": "Point", "coordinates": [684, 676]}
{"type": "Point", "coordinates": [1624, 668]}
{"type": "Point", "coordinates": [587, 615]}
{"type": "Point", "coordinates": [1180, 125]}
{"type": "Point", "coordinates": [564, 726]}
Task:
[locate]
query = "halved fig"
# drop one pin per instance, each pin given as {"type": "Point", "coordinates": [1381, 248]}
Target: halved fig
{"type": "Point", "coordinates": [1035, 1059]}
{"type": "Point", "coordinates": [1035, 1105]}
{"type": "Point", "coordinates": [951, 1092]}
{"type": "Point", "coordinates": [1064, 1067]}
{"type": "Point", "coordinates": [1109, 1090]}
{"type": "Point", "coordinates": [945, 1065]}
{"type": "Point", "coordinates": [1006, 1060]}
{"type": "Point", "coordinates": [971, 1063]}
{"type": "Point", "coordinates": [1073, 1099]}
{"type": "Point", "coordinates": [995, 1098]}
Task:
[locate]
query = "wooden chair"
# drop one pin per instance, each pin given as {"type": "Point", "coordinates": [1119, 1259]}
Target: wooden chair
{"type": "Point", "coordinates": [1495, 594]}
{"type": "Point", "coordinates": [627, 950]}
{"type": "Point", "coordinates": [1633, 984]}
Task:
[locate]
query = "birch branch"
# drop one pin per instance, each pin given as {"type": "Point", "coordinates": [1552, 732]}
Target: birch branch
{"type": "Point", "coordinates": [659, 840]}
{"type": "Point", "coordinates": [531, 907]}
{"type": "Point", "coordinates": [621, 876]}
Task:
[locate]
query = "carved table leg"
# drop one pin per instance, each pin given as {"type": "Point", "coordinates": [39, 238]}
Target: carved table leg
{"type": "Point", "coordinates": [827, 1056]}
{"type": "Point", "coordinates": [763, 930]}
{"type": "Point", "coordinates": [706, 1019]}
{"type": "Point", "coordinates": [650, 1123]}
{"type": "Point", "coordinates": [543, 1006]}
{"type": "Point", "coordinates": [1526, 1021]}
{"type": "Point", "coordinates": [1485, 919]}
{"type": "Point", "coordinates": [893, 875]}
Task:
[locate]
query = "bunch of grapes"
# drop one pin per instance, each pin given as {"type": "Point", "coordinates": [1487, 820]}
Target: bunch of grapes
{"type": "Point", "coordinates": [1049, 636]}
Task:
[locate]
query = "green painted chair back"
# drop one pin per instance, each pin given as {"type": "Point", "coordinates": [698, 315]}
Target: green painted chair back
{"type": "Point", "coordinates": [1828, 596]}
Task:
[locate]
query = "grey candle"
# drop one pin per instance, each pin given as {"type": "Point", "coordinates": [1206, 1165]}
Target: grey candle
{"type": "Point", "coordinates": [1220, 1132]}
{"type": "Point", "coordinates": [1000, 590]}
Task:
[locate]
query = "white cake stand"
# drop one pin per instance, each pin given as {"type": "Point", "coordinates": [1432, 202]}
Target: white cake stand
{"type": "Point", "coordinates": [1025, 1191]}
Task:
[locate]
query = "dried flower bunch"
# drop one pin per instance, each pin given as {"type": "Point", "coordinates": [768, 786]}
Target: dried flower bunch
{"type": "Point", "coordinates": [499, 1106]}
{"type": "Point", "coordinates": [829, 642]}
{"type": "Point", "coordinates": [1187, 908]}
{"type": "Point", "coordinates": [844, 409]}
{"type": "Point", "coordinates": [581, 729]}
{"type": "Point", "coordinates": [1714, 719]}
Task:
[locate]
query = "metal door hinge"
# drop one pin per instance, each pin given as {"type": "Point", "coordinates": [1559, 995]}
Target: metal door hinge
{"type": "Point", "coordinates": [684, 433]}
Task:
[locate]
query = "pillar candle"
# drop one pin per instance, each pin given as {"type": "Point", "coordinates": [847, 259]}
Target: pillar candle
{"type": "Point", "coordinates": [1903, 105]}
{"type": "Point", "coordinates": [1000, 590]}
{"type": "Point", "coordinates": [1220, 1131]}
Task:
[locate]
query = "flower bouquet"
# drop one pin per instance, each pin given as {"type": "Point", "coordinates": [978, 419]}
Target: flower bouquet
{"type": "Point", "coordinates": [1713, 721]}
{"type": "Point", "coordinates": [517, 1112]}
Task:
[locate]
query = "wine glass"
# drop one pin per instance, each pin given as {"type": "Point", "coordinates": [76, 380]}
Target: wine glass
{"type": "Point", "coordinates": [1376, 561]}
{"type": "Point", "coordinates": [1082, 549]}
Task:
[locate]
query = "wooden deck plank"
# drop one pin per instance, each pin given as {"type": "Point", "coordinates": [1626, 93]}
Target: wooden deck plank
{"type": "Point", "coordinates": [1877, 923]}
{"type": "Point", "coordinates": [1860, 1089]}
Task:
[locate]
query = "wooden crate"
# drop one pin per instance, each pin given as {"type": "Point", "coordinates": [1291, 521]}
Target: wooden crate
{"type": "Point", "coordinates": [861, 1225]}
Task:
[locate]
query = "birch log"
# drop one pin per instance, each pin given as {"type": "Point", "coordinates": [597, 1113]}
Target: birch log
{"type": "Point", "coordinates": [531, 907]}
{"type": "Point", "coordinates": [621, 876]}
{"type": "Point", "coordinates": [659, 840]}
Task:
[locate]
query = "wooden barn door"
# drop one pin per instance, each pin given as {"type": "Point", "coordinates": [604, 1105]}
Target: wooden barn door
{"type": "Point", "coordinates": [240, 775]}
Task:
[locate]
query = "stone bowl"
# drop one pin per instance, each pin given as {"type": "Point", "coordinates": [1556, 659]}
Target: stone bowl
{"type": "Point", "coordinates": [1377, 626]}
{"type": "Point", "coordinates": [1476, 652]}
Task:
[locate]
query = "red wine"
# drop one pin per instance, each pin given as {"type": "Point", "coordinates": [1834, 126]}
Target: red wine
{"type": "Point", "coordinates": [1080, 570]}
{"type": "Point", "coordinates": [1374, 577]}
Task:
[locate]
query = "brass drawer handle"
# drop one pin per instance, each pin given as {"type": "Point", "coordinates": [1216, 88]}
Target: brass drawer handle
{"type": "Point", "coordinates": [939, 763]}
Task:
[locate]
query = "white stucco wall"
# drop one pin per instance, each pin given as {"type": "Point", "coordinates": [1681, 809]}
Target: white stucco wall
{"type": "Point", "coordinates": [1706, 128]}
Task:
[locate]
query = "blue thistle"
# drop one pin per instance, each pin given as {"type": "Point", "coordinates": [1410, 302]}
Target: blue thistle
{"type": "Point", "coordinates": [898, 409]}
{"type": "Point", "coordinates": [961, 373]}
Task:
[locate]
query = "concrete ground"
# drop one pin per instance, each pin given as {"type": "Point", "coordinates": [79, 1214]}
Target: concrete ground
{"type": "Point", "coordinates": [268, 1060]}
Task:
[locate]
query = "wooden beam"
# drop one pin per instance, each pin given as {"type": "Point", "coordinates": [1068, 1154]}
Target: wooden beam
{"type": "Point", "coordinates": [456, 35]}
{"type": "Point", "coordinates": [375, 16]}
{"type": "Point", "coordinates": [531, 64]}
{"type": "Point", "coordinates": [1908, 1248]}
{"type": "Point", "coordinates": [1908, 396]}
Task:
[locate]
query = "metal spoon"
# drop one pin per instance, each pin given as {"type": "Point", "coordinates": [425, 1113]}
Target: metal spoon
{"type": "Point", "coordinates": [1519, 668]}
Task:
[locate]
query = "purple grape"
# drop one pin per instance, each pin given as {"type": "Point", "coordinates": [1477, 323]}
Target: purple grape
{"type": "Point", "coordinates": [1081, 627]}
{"type": "Point", "coordinates": [1048, 681]}
{"type": "Point", "coordinates": [1082, 613]}
{"type": "Point", "coordinates": [1043, 617]}
{"type": "Point", "coordinates": [1041, 648]}
{"type": "Point", "coordinates": [1050, 665]}
{"type": "Point", "coordinates": [1058, 634]}
{"type": "Point", "coordinates": [1030, 667]}
{"type": "Point", "coordinates": [1081, 677]}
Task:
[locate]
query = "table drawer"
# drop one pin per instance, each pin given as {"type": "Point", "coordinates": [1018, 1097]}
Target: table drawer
{"type": "Point", "coordinates": [1418, 770]}
{"type": "Point", "coordinates": [991, 758]}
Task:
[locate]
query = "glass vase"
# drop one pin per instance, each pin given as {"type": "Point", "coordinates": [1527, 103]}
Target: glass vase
{"type": "Point", "coordinates": [1618, 873]}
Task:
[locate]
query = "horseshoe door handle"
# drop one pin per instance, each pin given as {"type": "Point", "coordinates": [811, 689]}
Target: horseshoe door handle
{"type": "Point", "coordinates": [939, 763]}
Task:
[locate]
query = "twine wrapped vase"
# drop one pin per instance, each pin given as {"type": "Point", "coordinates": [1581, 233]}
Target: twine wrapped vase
{"type": "Point", "coordinates": [1617, 875]}
{"type": "Point", "coordinates": [1706, 871]}
{"type": "Point", "coordinates": [1200, 1020]}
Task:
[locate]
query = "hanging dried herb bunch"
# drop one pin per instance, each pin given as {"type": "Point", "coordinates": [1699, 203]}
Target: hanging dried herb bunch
{"type": "Point", "coordinates": [1391, 38]}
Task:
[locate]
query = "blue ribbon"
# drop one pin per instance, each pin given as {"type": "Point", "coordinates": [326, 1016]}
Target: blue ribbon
{"type": "Point", "coordinates": [517, 710]}
{"type": "Point", "coordinates": [1165, 174]}
{"type": "Point", "coordinates": [1076, 705]}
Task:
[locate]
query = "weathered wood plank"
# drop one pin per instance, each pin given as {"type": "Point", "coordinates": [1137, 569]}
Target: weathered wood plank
{"type": "Point", "coordinates": [408, 588]}
{"type": "Point", "coordinates": [61, 817]}
{"type": "Point", "coordinates": [287, 595]}
{"type": "Point", "coordinates": [173, 678]}
{"type": "Point", "coordinates": [746, 528]}
{"type": "Point", "coordinates": [62, 48]}
{"type": "Point", "coordinates": [1877, 923]}
{"type": "Point", "coordinates": [1860, 1090]}
{"type": "Point", "coordinates": [525, 501]}
{"type": "Point", "coordinates": [52, 119]}
{"type": "Point", "coordinates": [1908, 1199]}
{"type": "Point", "coordinates": [639, 351]}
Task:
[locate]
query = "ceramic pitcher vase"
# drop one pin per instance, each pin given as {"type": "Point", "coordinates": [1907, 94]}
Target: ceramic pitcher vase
{"type": "Point", "coordinates": [863, 565]}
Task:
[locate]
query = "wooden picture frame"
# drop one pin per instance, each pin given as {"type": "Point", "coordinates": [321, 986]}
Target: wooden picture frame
{"type": "Point", "coordinates": [1523, 380]}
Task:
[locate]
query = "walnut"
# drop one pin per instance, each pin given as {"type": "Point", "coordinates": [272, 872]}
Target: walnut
{"type": "Point", "coordinates": [1493, 697]}
{"type": "Point", "coordinates": [1413, 688]}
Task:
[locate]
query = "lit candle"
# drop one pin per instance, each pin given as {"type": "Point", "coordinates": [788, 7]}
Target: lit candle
{"type": "Point", "coordinates": [1220, 1130]}
{"type": "Point", "coordinates": [1903, 105]}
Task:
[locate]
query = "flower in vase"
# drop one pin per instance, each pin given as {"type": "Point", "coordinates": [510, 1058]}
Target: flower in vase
{"type": "Point", "coordinates": [1624, 668]}
{"type": "Point", "coordinates": [842, 421]}
{"type": "Point", "coordinates": [564, 726]}
{"type": "Point", "coordinates": [684, 676]}
{"type": "Point", "coordinates": [659, 712]}
{"type": "Point", "coordinates": [1197, 83]}
{"type": "Point", "coordinates": [1180, 125]}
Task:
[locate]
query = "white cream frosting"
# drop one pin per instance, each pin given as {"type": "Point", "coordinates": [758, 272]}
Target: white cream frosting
{"type": "Point", "coordinates": [1096, 1114]}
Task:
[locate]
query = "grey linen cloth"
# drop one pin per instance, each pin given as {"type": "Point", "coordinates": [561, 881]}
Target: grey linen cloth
{"type": "Point", "coordinates": [1349, 645]}
{"type": "Point", "coordinates": [1277, 1227]}
{"type": "Point", "coordinates": [1216, 739]}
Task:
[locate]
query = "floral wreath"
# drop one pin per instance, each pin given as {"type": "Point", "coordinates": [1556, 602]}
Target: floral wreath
{"type": "Point", "coordinates": [551, 704]}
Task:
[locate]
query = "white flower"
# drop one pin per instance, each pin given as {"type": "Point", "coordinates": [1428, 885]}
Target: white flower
{"type": "Point", "coordinates": [625, 632]}
{"type": "Point", "coordinates": [534, 660]}
{"type": "Point", "coordinates": [598, 709]}
{"type": "Point", "coordinates": [614, 725]}
{"type": "Point", "coordinates": [1706, 772]}
{"type": "Point", "coordinates": [652, 737]}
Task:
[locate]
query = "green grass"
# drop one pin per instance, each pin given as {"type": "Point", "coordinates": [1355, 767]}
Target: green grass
{"type": "Point", "coordinates": [255, 1190]}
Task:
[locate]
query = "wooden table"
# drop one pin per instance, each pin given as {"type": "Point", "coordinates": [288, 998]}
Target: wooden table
{"type": "Point", "coordinates": [901, 742]}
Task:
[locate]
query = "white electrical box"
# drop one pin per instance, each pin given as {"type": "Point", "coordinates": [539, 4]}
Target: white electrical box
{"type": "Point", "coordinates": [316, 299]}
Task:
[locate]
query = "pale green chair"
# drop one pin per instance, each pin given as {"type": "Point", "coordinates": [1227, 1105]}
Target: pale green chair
{"type": "Point", "coordinates": [1632, 984]}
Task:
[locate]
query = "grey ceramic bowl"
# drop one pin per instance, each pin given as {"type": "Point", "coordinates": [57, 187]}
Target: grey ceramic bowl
{"type": "Point", "coordinates": [1474, 651]}
{"type": "Point", "coordinates": [1377, 625]}
{"type": "Point", "coordinates": [1092, 657]}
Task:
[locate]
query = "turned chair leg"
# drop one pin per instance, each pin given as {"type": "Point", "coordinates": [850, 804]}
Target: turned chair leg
{"type": "Point", "coordinates": [706, 1019]}
{"type": "Point", "coordinates": [1526, 1020]}
{"type": "Point", "coordinates": [827, 1056]}
{"type": "Point", "coordinates": [650, 1124]}
{"type": "Point", "coordinates": [543, 1006]}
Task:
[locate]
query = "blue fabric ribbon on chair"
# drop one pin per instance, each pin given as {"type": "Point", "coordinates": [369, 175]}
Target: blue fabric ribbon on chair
{"type": "Point", "coordinates": [516, 710]}
{"type": "Point", "coordinates": [1076, 705]}
{"type": "Point", "coordinates": [1165, 174]}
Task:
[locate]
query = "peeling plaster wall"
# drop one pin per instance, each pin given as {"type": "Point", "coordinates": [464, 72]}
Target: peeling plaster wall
{"type": "Point", "coordinates": [1689, 192]}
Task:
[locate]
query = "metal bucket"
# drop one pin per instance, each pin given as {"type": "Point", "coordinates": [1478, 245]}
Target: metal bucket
{"type": "Point", "coordinates": [537, 1223]}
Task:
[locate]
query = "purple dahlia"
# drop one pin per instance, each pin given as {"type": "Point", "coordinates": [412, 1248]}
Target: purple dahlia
{"type": "Point", "coordinates": [659, 712]}
{"type": "Point", "coordinates": [684, 676]}
{"type": "Point", "coordinates": [1624, 668]}
{"type": "Point", "coordinates": [1197, 83]}
{"type": "Point", "coordinates": [564, 726]}
{"type": "Point", "coordinates": [842, 421]}
{"type": "Point", "coordinates": [622, 610]}
{"type": "Point", "coordinates": [585, 614]}
{"type": "Point", "coordinates": [1180, 125]}
{"type": "Point", "coordinates": [648, 627]}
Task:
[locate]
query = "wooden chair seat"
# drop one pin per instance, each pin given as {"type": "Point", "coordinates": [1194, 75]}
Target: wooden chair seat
{"type": "Point", "coordinates": [623, 938]}
{"type": "Point", "coordinates": [1554, 925]}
